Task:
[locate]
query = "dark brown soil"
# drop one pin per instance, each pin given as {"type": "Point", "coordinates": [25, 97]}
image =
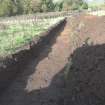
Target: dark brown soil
{"type": "Point", "coordinates": [86, 75]}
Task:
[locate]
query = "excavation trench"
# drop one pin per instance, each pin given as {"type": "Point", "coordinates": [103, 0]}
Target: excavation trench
{"type": "Point", "coordinates": [39, 70]}
{"type": "Point", "coordinates": [11, 65]}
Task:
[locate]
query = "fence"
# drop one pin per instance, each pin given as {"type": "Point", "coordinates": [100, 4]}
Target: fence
{"type": "Point", "coordinates": [35, 17]}
{"type": "Point", "coordinates": [16, 33]}
{"type": "Point", "coordinates": [17, 30]}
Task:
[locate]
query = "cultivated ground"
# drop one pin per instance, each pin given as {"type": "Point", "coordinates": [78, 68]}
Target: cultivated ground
{"type": "Point", "coordinates": [43, 83]}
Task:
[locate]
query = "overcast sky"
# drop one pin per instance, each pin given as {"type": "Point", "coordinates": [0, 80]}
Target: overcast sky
{"type": "Point", "coordinates": [89, 1]}
{"type": "Point", "coordinates": [100, 1]}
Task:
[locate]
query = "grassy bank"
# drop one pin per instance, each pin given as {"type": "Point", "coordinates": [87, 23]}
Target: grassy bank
{"type": "Point", "coordinates": [15, 35]}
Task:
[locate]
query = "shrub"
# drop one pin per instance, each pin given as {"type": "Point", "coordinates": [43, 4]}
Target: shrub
{"type": "Point", "coordinates": [85, 6]}
{"type": "Point", "coordinates": [7, 8]}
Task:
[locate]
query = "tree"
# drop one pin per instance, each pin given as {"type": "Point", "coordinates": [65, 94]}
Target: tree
{"type": "Point", "coordinates": [7, 8]}
{"type": "Point", "coordinates": [48, 5]}
{"type": "Point", "coordinates": [58, 5]}
{"type": "Point", "coordinates": [15, 7]}
{"type": "Point", "coordinates": [26, 6]}
{"type": "Point", "coordinates": [73, 4]}
{"type": "Point", "coordinates": [84, 5]}
{"type": "Point", "coordinates": [35, 6]}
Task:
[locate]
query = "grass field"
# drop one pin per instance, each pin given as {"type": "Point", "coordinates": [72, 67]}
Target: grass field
{"type": "Point", "coordinates": [15, 35]}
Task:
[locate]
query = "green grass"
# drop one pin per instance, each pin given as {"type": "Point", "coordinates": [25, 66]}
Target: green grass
{"type": "Point", "coordinates": [14, 36]}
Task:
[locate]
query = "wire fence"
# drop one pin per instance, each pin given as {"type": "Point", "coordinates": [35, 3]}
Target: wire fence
{"type": "Point", "coordinates": [16, 31]}
{"type": "Point", "coordinates": [35, 17]}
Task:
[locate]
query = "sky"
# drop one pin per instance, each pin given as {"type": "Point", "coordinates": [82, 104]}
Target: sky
{"type": "Point", "coordinates": [99, 1]}
{"type": "Point", "coordinates": [89, 1]}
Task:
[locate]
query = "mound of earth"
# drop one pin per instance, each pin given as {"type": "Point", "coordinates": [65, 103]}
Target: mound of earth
{"type": "Point", "coordinates": [86, 74]}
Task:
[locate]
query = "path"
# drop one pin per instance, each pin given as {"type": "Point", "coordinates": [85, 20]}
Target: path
{"type": "Point", "coordinates": [42, 82]}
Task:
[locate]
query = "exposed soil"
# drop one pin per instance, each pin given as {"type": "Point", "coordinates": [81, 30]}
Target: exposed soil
{"type": "Point", "coordinates": [89, 27]}
{"type": "Point", "coordinates": [42, 82]}
{"type": "Point", "coordinates": [86, 75]}
{"type": "Point", "coordinates": [12, 65]}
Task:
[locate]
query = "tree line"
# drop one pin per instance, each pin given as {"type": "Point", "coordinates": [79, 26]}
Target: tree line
{"type": "Point", "coordinates": [16, 7]}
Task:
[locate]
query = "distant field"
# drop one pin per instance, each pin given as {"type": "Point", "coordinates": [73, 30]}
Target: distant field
{"type": "Point", "coordinates": [98, 13]}
{"type": "Point", "coordinates": [15, 35]}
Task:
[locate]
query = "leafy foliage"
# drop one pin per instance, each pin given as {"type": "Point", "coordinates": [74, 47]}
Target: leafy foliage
{"type": "Point", "coordinates": [85, 6]}
{"type": "Point", "coordinates": [14, 7]}
{"type": "Point", "coordinates": [7, 8]}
